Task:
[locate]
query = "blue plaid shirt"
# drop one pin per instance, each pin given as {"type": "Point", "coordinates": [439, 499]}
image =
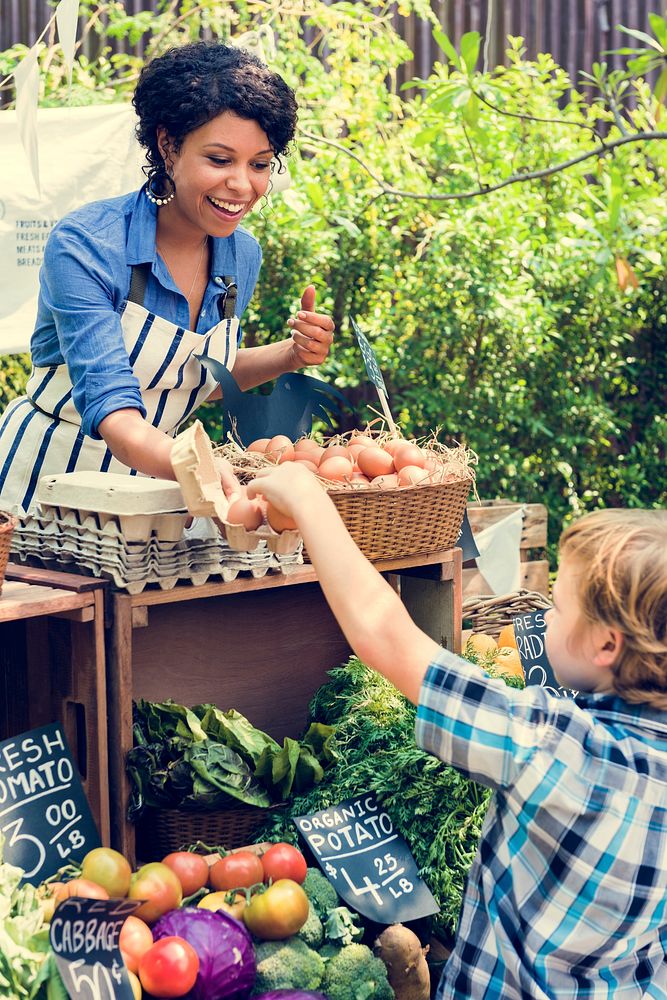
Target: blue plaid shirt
{"type": "Point", "coordinates": [567, 895]}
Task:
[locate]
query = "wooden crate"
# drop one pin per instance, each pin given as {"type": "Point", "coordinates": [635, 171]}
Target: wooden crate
{"type": "Point", "coordinates": [534, 565]}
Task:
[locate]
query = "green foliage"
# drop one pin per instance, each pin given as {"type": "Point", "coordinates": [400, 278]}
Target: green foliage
{"type": "Point", "coordinates": [510, 321]}
{"type": "Point", "coordinates": [436, 809]}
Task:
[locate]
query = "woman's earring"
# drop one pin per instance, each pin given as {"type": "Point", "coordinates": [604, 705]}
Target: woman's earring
{"type": "Point", "coordinates": [160, 188]}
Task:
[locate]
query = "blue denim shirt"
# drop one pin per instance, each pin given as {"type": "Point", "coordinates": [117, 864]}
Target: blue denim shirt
{"type": "Point", "coordinates": [84, 283]}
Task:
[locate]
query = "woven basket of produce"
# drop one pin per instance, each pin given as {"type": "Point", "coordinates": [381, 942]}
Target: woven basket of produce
{"type": "Point", "coordinates": [7, 524]}
{"type": "Point", "coordinates": [491, 614]}
{"type": "Point", "coordinates": [161, 831]}
{"type": "Point", "coordinates": [397, 498]}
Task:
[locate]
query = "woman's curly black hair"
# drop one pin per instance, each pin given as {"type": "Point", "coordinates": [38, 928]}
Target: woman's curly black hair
{"type": "Point", "coordinates": [189, 85]}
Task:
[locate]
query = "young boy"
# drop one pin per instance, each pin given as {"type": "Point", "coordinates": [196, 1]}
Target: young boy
{"type": "Point", "coordinates": [567, 896]}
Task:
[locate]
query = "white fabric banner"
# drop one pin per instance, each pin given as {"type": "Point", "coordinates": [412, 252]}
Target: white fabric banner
{"type": "Point", "coordinates": [499, 559]}
{"type": "Point", "coordinates": [84, 154]}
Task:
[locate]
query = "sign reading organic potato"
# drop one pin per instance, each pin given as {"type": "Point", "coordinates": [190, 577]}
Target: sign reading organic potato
{"type": "Point", "coordinates": [44, 814]}
{"type": "Point", "coordinates": [367, 861]}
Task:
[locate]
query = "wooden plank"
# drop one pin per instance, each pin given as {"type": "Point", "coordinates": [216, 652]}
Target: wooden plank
{"type": "Point", "coordinates": [86, 614]}
{"type": "Point", "coordinates": [435, 607]}
{"type": "Point", "coordinates": [534, 576]}
{"type": "Point", "coordinates": [119, 708]}
{"type": "Point", "coordinates": [24, 600]}
{"type": "Point", "coordinates": [299, 575]}
{"type": "Point", "coordinates": [53, 578]}
{"type": "Point", "coordinates": [534, 530]}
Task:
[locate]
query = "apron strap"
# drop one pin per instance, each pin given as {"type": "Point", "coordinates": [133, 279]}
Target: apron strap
{"type": "Point", "coordinates": [139, 280]}
{"type": "Point", "coordinates": [227, 302]}
{"type": "Point", "coordinates": [138, 283]}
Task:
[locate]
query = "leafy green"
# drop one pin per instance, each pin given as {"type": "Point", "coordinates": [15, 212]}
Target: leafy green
{"type": "Point", "coordinates": [437, 810]}
{"type": "Point", "coordinates": [25, 968]}
{"type": "Point", "coordinates": [198, 758]}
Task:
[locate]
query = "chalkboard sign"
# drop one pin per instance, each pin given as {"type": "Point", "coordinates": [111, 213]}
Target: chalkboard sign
{"type": "Point", "coordinates": [529, 630]}
{"type": "Point", "coordinates": [44, 813]}
{"type": "Point", "coordinates": [84, 936]}
{"type": "Point", "coordinates": [367, 861]}
{"type": "Point", "coordinates": [372, 367]}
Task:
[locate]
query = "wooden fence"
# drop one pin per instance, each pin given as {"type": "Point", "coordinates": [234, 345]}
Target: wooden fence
{"type": "Point", "coordinates": [575, 32]}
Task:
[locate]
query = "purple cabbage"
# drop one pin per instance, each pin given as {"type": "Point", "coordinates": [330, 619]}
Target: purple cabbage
{"type": "Point", "coordinates": [224, 947]}
{"type": "Point", "coordinates": [291, 995]}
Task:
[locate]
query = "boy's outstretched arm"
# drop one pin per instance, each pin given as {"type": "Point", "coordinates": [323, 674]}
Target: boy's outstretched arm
{"type": "Point", "coordinates": [370, 613]}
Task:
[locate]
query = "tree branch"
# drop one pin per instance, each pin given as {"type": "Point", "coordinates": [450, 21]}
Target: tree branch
{"type": "Point", "coordinates": [520, 178]}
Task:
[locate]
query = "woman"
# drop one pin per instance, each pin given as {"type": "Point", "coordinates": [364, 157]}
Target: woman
{"type": "Point", "coordinates": [133, 289]}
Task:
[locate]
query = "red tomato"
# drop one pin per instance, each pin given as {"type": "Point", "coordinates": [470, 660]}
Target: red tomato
{"type": "Point", "coordinates": [190, 869]}
{"type": "Point", "coordinates": [284, 861]}
{"type": "Point", "coordinates": [169, 968]}
{"type": "Point", "coordinates": [237, 871]}
{"type": "Point", "coordinates": [159, 886]}
{"type": "Point", "coordinates": [134, 941]}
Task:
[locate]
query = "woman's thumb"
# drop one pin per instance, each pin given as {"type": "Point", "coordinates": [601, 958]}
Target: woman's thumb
{"type": "Point", "coordinates": [308, 299]}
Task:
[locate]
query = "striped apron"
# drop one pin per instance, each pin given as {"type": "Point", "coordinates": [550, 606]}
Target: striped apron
{"type": "Point", "coordinates": [40, 433]}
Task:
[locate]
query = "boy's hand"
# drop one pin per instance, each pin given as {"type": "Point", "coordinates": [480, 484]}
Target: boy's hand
{"type": "Point", "coordinates": [288, 487]}
{"type": "Point", "coordinates": [230, 485]}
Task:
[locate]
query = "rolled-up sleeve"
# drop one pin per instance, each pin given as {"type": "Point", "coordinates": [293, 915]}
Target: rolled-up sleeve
{"type": "Point", "coordinates": [76, 287]}
{"type": "Point", "coordinates": [485, 729]}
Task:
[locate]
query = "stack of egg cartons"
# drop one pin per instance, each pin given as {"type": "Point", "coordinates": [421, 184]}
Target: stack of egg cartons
{"type": "Point", "coordinates": [131, 530]}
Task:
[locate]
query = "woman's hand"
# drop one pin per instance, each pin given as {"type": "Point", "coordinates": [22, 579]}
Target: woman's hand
{"type": "Point", "coordinates": [312, 332]}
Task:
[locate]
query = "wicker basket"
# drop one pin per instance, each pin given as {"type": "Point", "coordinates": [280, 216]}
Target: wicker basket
{"type": "Point", "coordinates": [412, 520]}
{"type": "Point", "coordinates": [161, 831]}
{"type": "Point", "coordinates": [7, 524]}
{"type": "Point", "coordinates": [491, 614]}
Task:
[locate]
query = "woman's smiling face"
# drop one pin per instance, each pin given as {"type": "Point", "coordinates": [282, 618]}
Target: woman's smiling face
{"type": "Point", "coordinates": [222, 169]}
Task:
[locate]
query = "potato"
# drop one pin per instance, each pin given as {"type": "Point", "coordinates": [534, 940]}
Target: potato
{"type": "Point", "coordinates": [401, 951]}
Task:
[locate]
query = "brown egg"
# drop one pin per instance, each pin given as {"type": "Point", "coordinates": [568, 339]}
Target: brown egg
{"type": "Point", "coordinates": [359, 477]}
{"type": "Point", "coordinates": [245, 512]}
{"type": "Point", "coordinates": [336, 451]}
{"type": "Point", "coordinates": [258, 445]}
{"type": "Point", "coordinates": [305, 444]}
{"type": "Point", "coordinates": [336, 469]}
{"type": "Point", "coordinates": [412, 475]}
{"type": "Point", "coordinates": [355, 448]}
{"type": "Point", "coordinates": [279, 521]}
{"type": "Point", "coordinates": [408, 454]}
{"type": "Point", "coordinates": [375, 462]}
{"type": "Point", "coordinates": [280, 449]}
{"type": "Point", "coordinates": [393, 444]}
{"type": "Point", "coordinates": [306, 463]}
{"type": "Point", "coordinates": [365, 439]}
{"type": "Point", "coordinates": [388, 482]}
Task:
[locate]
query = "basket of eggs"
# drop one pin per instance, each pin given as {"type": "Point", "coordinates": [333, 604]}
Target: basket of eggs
{"type": "Point", "coordinates": [396, 497]}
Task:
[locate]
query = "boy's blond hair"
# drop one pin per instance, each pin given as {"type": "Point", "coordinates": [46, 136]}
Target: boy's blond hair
{"type": "Point", "coordinates": [621, 559]}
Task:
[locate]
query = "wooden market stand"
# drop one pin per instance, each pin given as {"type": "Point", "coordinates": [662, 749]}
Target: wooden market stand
{"type": "Point", "coordinates": [261, 646]}
{"type": "Point", "coordinates": [52, 668]}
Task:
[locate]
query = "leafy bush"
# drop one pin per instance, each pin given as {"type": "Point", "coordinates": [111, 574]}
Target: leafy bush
{"type": "Point", "coordinates": [510, 321]}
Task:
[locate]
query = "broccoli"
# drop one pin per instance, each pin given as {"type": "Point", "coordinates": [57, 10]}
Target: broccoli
{"type": "Point", "coordinates": [341, 927]}
{"type": "Point", "coordinates": [289, 964]}
{"type": "Point", "coordinates": [356, 974]}
{"type": "Point", "coordinates": [320, 891]}
{"type": "Point", "coordinates": [312, 931]}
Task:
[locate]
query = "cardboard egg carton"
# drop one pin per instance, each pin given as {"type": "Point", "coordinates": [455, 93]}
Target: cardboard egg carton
{"type": "Point", "coordinates": [194, 466]}
{"type": "Point", "coordinates": [131, 506]}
